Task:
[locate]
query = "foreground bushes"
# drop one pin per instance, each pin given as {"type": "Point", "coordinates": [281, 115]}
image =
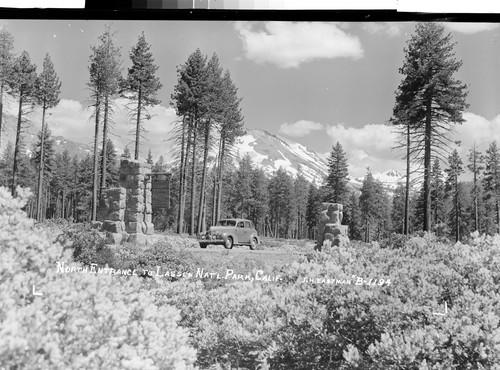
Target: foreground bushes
{"type": "Point", "coordinates": [113, 322]}
{"type": "Point", "coordinates": [82, 321]}
{"type": "Point", "coordinates": [292, 324]}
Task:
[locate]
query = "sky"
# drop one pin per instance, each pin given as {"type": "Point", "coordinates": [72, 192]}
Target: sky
{"type": "Point", "coordinates": [314, 83]}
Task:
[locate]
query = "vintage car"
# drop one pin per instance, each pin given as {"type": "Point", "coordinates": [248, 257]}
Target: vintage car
{"type": "Point", "coordinates": [229, 232]}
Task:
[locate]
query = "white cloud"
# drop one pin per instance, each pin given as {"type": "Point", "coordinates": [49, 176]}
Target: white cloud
{"type": "Point", "coordinates": [478, 130]}
{"type": "Point", "coordinates": [370, 145]}
{"type": "Point", "coordinates": [300, 128]}
{"type": "Point", "coordinates": [287, 44]}
{"type": "Point", "coordinates": [470, 28]}
{"type": "Point", "coordinates": [367, 146]}
{"type": "Point", "coordinates": [70, 120]}
{"type": "Point", "coordinates": [390, 29]}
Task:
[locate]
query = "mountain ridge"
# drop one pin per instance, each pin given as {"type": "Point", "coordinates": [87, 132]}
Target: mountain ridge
{"type": "Point", "coordinates": [267, 150]}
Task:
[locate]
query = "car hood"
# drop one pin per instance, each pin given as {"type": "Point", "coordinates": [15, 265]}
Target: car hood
{"type": "Point", "coordinates": [220, 229]}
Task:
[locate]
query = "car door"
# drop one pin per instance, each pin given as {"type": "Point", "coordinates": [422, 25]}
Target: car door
{"type": "Point", "coordinates": [242, 232]}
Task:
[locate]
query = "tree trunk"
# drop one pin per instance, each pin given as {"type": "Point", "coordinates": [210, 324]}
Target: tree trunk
{"type": "Point", "coordinates": [457, 232]}
{"type": "Point", "coordinates": [203, 177]}
{"type": "Point", "coordinates": [407, 190]}
{"type": "Point", "coordinates": [96, 163]}
{"type": "Point", "coordinates": [214, 197]}
{"type": "Point", "coordinates": [40, 170]}
{"type": "Point", "coordinates": [104, 144]}
{"type": "Point", "coordinates": [476, 212]}
{"type": "Point", "coordinates": [1, 110]}
{"type": "Point", "coordinates": [427, 167]}
{"type": "Point", "coordinates": [16, 148]}
{"type": "Point", "coordinates": [180, 211]}
{"type": "Point", "coordinates": [221, 171]}
{"type": "Point", "coordinates": [193, 178]}
{"type": "Point", "coordinates": [184, 175]}
{"type": "Point", "coordinates": [138, 123]}
{"type": "Point", "coordinates": [62, 203]}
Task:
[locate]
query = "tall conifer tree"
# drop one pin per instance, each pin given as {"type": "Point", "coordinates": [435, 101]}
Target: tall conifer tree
{"type": "Point", "coordinates": [6, 63]}
{"type": "Point", "coordinates": [22, 85]}
{"type": "Point", "coordinates": [475, 166]}
{"type": "Point", "coordinates": [492, 183]}
{"type": "Point", "coordinates": [455, 168]}
{"type": "Point", "coordinates": [338, 172]}
{"type": "Point", "coordinates": [48, 88]}
{"type": "Point", "coordinates": [141, 86]}
{"type": "Point", "coordinates": [429, 99]}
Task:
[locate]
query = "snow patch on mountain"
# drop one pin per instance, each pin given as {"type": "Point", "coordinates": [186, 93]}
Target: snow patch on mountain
{"type": "Point", "coordinates": [390, 180]}
{"type": "Point", "coordinates": [270, 152]}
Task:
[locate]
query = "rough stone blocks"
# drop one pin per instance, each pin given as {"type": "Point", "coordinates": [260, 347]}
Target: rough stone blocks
{"type": "Point", "coordinates": [135, 217]}
{"type": "Point", "coordinates": [138, 238]}
{"type": "Point", "coordinates": [329, 226]}
{"type": "Point", "coordinates": [134, 227]}
{"type": "Point", "coordinates": [113, 226]}
{"type": "Point", "coordinates": [149, 228]}
{"type": "Point", "coordinates": [115, 238]}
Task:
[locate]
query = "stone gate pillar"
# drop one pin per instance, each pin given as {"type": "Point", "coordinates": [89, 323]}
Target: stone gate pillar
{"type": "Point", "coordinates": [138, 210]}
{"type": "Point", "coordinates": [329, 225]}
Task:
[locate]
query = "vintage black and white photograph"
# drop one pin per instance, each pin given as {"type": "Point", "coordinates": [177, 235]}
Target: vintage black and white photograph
{"type": "Point", "coordinates": [233, 194]}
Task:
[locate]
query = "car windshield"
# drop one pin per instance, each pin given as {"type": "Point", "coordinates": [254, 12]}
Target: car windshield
{"type": "Point", "coordinates": [227, 223]}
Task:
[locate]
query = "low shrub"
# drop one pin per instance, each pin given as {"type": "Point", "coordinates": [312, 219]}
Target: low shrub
{"type": "Point", "coordinates": [82, 320]}
{"type": "Point", "coordinates": [168, 255]}
{"type": "Point", "coordinates": [88, 245]}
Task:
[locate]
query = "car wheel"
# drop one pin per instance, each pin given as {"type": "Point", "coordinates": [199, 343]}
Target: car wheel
{"type": "Point", "coordinates": [253, 244]}
{"type": "Point", "coordinates": [229, 243]}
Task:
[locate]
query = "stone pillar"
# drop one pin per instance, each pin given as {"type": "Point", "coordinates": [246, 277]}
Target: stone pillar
{"type": "Point", "coordinates": [138, 196]}
{"type": "Point", "coordinates": [148, 208]}
{"type": "Point", "coordinates": [112, 213]}
{"type": "Point", "coordinates": [329, 225]}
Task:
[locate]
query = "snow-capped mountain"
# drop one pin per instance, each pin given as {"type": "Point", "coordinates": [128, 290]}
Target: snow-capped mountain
{"type": "Point", "coordinates": [389, 179]}
{"type": "Point", "coordinates": [267, 151]}
{"type": "Point", "coordinates": [270, 152]}
{"type": "Point", "coordinates": [29, 138]}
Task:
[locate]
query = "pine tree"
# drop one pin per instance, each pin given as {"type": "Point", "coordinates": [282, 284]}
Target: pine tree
{"type": "Point", "coordinates": [44, 147]}
{"type": "Point", "coordinates": [105, 76]}
{"type": "Point", "coordinates": [259, 207]}
{"type": "Point", "coordinates": [374, 205]}
{"type": "Point", "coordinates": [110, 61]}
{"type": "Point", "coordinates": [141, 85]}
{"type": "Point", "coordinates": [313, 209]}
{"type": "Point", "coordinates": [244, 186]}
{"type": "Point", "coordinates": [231, 127]}
{"type": "Point", "coordinates": [398, 208]}
{"type": "Point", "coordinates": [149, 160]}
{"type": "Point", "coordinates": [113, 169]}
{"type": "Point", "coordinates": [6, 165]}
{"type": "Point", "coordinates": [22, 85]}
{"type": "Point", "coordinates": [429, 99]}
{"type": "Point", "coordinates": [491, 184]}
{"type": "Point", "coordinates": [6, 64]}
{"type": "Point", "coordinates": [475, 166]}
{"type": "Point", "coordinates": [281, 209]}
{"type": "Point", "coordinates": [213, 115]}
{"type": "Point", "coordinates": [84, 192]}
{"type": "Point", "coordinates": [159, 166]}
{"type": "Point", "coordinates": [301, 188]}
{"type": "Point", "coordinates": [337, 174]}
{"type": "Point", "coordinates": [455, 168]}
{"type": "Point", "coordinates": [352, 216]}
{"type": "Point", "coordinates": [48, 88]}
{"type": "Point", "coordinates": [126, 153]}
{"type": "Point", "coordinates": [190, 99]}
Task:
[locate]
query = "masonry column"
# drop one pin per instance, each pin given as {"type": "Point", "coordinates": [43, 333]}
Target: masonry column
{"type": "Point", "coordinates": [132, 178]}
